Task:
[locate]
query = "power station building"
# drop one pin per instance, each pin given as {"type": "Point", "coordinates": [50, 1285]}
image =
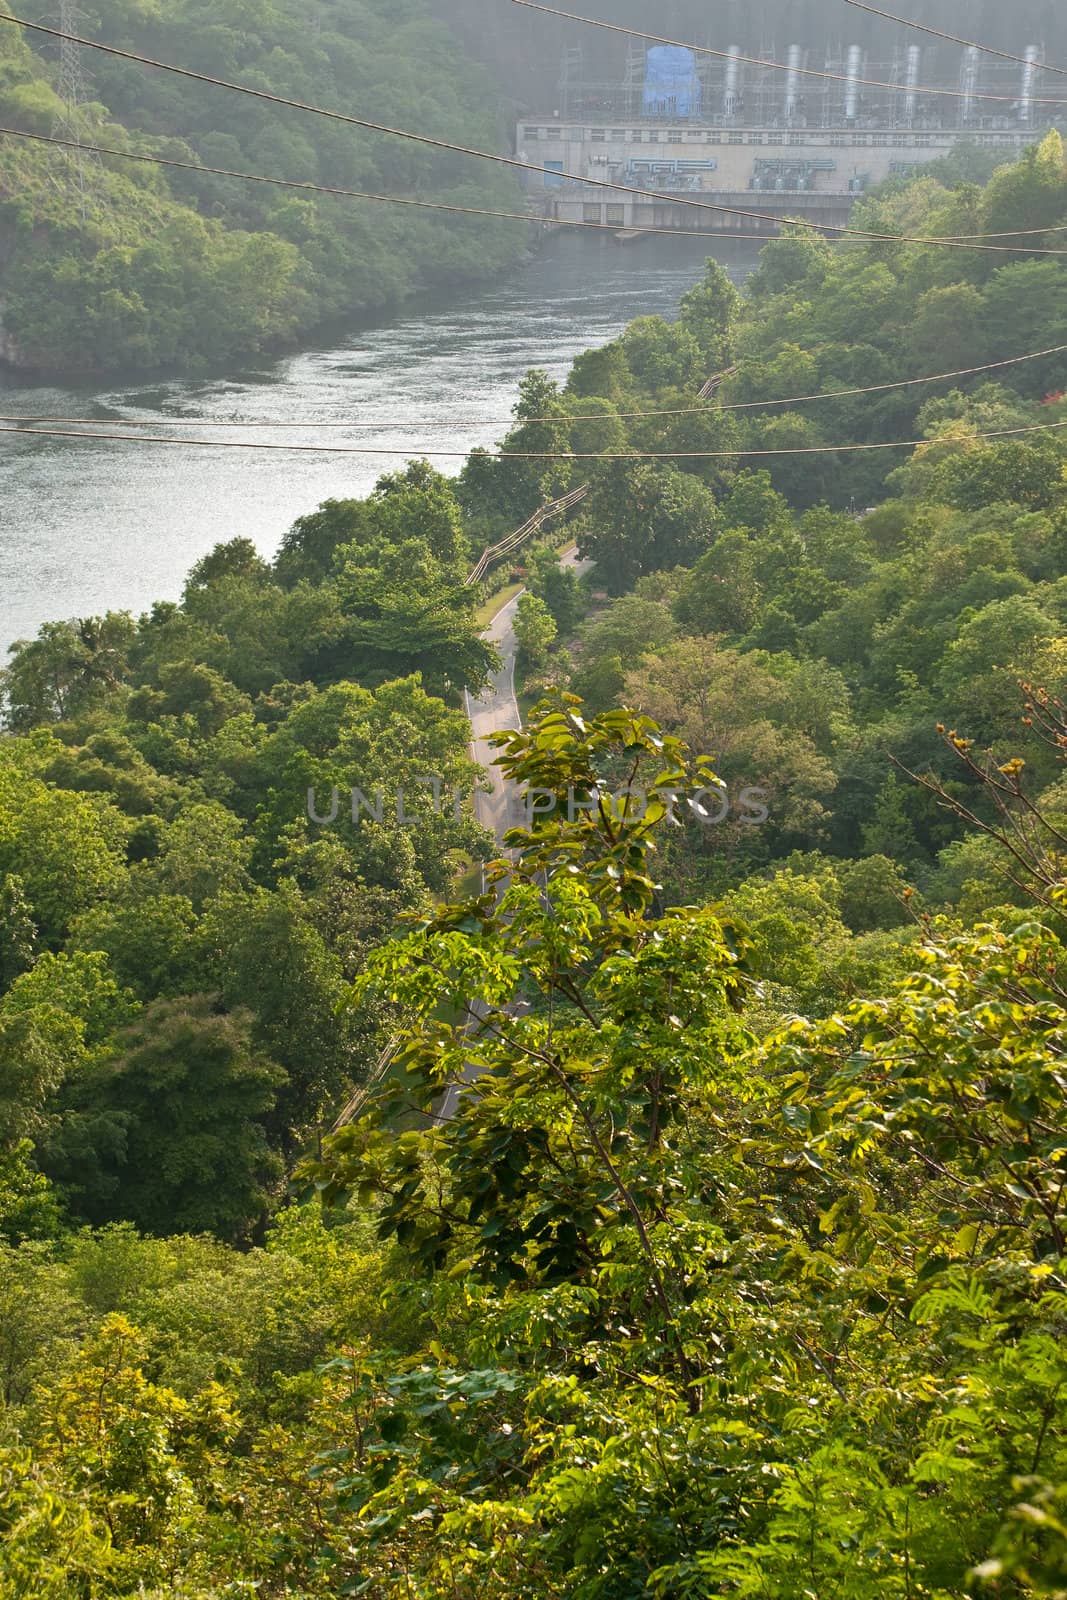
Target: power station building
{"type": "Point", "coordinates": [736, 132]}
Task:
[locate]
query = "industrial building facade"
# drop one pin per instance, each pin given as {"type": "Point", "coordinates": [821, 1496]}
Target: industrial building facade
{"type": "Point", "coordinates": [679, 127]}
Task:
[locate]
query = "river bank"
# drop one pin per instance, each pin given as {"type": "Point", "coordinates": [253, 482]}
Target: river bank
{"type": "Point", "coordinates": [88, 526]}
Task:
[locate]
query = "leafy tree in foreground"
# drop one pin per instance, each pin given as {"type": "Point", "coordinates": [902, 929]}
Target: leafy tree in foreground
{"type": "Point", "coordinates": [713, 1319]}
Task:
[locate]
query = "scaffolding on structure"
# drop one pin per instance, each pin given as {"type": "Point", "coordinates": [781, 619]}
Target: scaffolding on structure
{"type": "Point", "coordinates": [759, 93]}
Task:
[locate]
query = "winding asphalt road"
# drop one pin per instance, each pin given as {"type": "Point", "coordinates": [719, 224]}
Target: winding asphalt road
{"type": "Point", "coordinates": [496, 710]}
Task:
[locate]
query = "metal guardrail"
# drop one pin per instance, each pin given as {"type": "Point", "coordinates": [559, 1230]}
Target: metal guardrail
{"type": "Point", "coordinates": [559, 508]}
{"type": "Point", "coordinates": [715, 383]}
{"type": "Point", "coordinates": [506, 547]}
{"type": "Point", "coordinates": [362, 1095]}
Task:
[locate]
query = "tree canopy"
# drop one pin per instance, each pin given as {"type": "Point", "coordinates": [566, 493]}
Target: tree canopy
{"type": "Point", "coordinates": [115, 265]}
{"type": "Point", "coordinates": [669, 1204]}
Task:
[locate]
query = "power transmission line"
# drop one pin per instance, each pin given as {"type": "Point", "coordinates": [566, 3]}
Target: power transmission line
{"type": "Point", "coordinates": [515, 455]}
{"type": "Point", "coordinates": [393, 199]}
{"type": "Point", "coordinates": [476, 211]}
{"type": "Point", "coordinates": [776, 66]}
{"type": "Point", "coordinates": [707, 410]}
{"type": "Point", "coordinates": [960, 241]}
{"type": "Point", "coordinates": [528, 217]}
{"type": "Point", "coordinates": [511, 162]}
{"type": "Point", "coordinates": [954, 38]}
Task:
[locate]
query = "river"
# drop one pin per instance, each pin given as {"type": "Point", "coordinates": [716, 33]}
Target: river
{"type": "Point", "coordinates": [87, 527]}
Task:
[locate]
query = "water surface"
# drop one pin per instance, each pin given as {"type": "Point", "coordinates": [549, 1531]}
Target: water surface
{"type": "Point", "coordinates": [87, 527]}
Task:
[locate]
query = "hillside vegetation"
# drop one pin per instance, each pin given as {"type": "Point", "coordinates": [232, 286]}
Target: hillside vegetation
{"type": "Point", "coordinates": [128, 266]}
{"type": "Point", "coordinates": [741, 1267]}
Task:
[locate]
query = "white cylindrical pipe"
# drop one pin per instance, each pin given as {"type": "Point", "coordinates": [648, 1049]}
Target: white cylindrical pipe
{"type": "Point", "coordinates": [969, 83]}
{"type": "Point", "coordinates": [911, 82]}
{"type": "Point", "coordinates": [732, 91]}
{"type": "Point", "coordinates": [852, 88]}
{"type": "Point", "coordinates": [1026, 91]}
{"type": "Point", "coordinates": [792, 83]}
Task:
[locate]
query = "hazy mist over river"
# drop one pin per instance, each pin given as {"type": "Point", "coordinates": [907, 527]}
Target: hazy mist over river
{"type": "Point", "coordinates": [86, 528]}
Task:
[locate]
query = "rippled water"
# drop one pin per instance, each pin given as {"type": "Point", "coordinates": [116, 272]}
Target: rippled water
{"type": "Point", "coordinates": [88, 527]}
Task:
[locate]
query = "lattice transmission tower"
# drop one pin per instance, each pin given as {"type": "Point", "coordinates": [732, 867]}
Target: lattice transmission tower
{"type": "Point", "coordinates": [79, 168]}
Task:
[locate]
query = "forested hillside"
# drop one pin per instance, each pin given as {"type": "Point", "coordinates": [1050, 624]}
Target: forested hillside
{"type": "Point", "coordinates": [112, 265]}
{"type": "Point", "coordinates": [738, 1268]}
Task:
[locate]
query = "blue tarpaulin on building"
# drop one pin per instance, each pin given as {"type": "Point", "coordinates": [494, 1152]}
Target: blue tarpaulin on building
{"type": "Point", "coordinates": [672, 86]}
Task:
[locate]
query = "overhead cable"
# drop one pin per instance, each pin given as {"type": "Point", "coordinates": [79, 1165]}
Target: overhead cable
{"type": "Point", "coordinates": [775, 66]}
{"type": "Point", "coordinates": [961, 240]}
{"type": "Point", "coordinates": [954, 38]}
{"type": "Point", "coordinates": [416, 453]}
{"type": "Point", "coordinates": [511, 162]}
{"type": "Point", "coordinates": [709, 409]}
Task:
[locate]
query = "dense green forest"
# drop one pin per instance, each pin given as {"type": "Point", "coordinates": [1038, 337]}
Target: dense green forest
{"type": "Point", "coordinates": [740, 1267]}
{"type": "Point", "coordinates": [110, 265]}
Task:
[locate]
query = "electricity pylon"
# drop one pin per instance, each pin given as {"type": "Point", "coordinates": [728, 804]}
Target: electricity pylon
{"type": "Point", "coordinates": [78, 165]}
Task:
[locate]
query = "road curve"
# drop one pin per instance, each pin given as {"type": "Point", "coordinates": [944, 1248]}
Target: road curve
{"type": "Point", "coordinates": [496, 710]}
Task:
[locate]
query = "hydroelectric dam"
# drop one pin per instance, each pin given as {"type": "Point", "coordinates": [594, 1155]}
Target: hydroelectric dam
{"type": "Point", "coordinates": [790, 137]}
